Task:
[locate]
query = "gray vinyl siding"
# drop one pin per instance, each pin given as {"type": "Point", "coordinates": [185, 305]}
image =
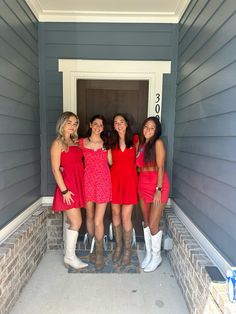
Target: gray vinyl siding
{"type": "Point", "coordinates": [19, 110]}
{"type": "Point", "coordinates": [100, 41]}
{"type": "Point", "coordinates": [204, 167]}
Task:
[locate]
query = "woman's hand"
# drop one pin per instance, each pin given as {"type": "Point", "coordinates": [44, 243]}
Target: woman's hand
{"type": "Point", "coordinates": [67, 198]}
{"type": "Point", "coordinates": [157, 198]}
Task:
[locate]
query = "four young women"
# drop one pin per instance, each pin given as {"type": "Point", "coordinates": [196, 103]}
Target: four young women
{"type": "Point", "coordinates": [94, 185]}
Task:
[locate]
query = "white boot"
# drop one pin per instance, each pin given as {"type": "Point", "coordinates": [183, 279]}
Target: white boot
{"type": "Point", "coordinates": [156, 253]}
{"type": "Point", "coordinates": [148, 245]}
{"type": "Point", "coordinates": [66, 226]}
{"type": "Point", "coordinates": [70, 258]}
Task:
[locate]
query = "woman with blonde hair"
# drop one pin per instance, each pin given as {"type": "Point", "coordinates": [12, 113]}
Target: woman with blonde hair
{"type": "Point", "coordinates": [69, 192]}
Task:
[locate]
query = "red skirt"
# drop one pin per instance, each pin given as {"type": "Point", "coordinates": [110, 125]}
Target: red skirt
{"type": "Point", "coordinates": [147, 183]}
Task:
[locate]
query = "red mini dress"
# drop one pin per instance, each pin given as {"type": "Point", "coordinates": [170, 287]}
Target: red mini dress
{"type": "Point", "coordinates": [124, 176]}
{"type": "Point", "coordinates": [147, 181]}
{"type": "Point", "coordinates": [97, 178]}
{"type": "Point", "coordinates": [73, 176]}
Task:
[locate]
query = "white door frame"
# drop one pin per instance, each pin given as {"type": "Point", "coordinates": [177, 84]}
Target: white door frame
{"type": "Point", "coordinates": [114, 70]}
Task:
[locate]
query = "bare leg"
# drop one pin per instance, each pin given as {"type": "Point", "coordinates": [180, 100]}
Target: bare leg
{"type": "Point", "coordinates": [155, 215]}
{"type": "Point", "coordinates": [90, 218]}
{"type": "Point", "coordinates": [98, 220]}
{"type": "Point", "coordinates": [75, 218]}
{"type": "Point", "coordinates": [126, 214]}
{"type": "Point", "coordinates": [116, 218]}
{"type": "Point", "coordinates": [145, 207]}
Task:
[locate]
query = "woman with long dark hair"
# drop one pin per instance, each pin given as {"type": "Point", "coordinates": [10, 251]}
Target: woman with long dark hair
{"type": "Point", "coordinates": [97, 181]}
{"type": "Point", "coordinates": [124, 185]}
{"type": "Point", "coordinates": [153, 189]}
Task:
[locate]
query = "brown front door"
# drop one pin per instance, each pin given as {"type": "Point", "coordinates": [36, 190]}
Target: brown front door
{"type": "Point", "coordinates": [108, 97]}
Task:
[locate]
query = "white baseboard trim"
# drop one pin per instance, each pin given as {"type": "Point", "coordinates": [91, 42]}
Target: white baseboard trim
{"type": "Point", "coordinates": [205, 244]}
{"type": "Point", "coordinates": [13, 225]}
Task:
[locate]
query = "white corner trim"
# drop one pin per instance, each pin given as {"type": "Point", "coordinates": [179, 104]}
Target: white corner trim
{"type": "Point", "coordinates": [205, 244]}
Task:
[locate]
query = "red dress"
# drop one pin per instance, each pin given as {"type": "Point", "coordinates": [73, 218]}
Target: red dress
{"type": "Point", "coordinates": [97, 178]}
{"type": "Point", "coordinates": [124, 176]}
{"type": "Point", "coordinates": [73, 176]}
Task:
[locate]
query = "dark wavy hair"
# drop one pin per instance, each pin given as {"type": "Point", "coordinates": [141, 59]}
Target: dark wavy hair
{"type": "Point", "coordinates": [129, 142]}
{"type": "Point", "coordinates": [150, 152]}
{"type": "Point", "coordinates": [103, 134]}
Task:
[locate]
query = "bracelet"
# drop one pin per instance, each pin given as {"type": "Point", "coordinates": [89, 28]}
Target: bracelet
{"type": "Point", "coordinates": [158, 188]}
{"type": "Point", "coordinates": [64, 192]}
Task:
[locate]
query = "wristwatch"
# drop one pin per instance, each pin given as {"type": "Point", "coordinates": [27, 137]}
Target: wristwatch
{"type": "Point", "coordinates": [159, 188]}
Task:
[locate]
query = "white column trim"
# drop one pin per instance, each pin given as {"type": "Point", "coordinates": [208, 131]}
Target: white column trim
{"type": "Point", "coordinates": [152, 71]}
{"type": "Point", "coordinates": [205, 244]}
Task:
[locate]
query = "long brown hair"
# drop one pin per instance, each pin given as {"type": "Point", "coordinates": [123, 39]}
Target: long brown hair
{"type": "Point", "coordinates": [149, 151]}
{"type": "Point", "coordinates": [129, 142]}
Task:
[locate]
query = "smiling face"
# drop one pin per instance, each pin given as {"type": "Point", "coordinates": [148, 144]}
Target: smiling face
{"type": "Point", "coordinates": [97, 126]}
{"type": "Point", "coordinates": [70, 126]}
{"type": "Point", "coordinates": [149, 130]}
{"type": "Point", "coordinates": [120, 125]}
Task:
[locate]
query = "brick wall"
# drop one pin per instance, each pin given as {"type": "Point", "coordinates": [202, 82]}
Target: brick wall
{"type": "Point", "coordinates": [22, 251]}
{"type": "Point", "coordinates": [189, 261]}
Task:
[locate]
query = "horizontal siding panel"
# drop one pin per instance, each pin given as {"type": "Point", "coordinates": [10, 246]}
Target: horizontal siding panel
{"type": "Point", "coordinates": [13, 108]}
{"type": "Point", "coordinates": [115, 38]}
{"type": "Point", "coordinates": [189, 22]}
{"type": "Point", "coordinates": [220, 215]}
{"type": "Point", "coordinates": [209, 187]}
{"type": "Point", "coordinates": [54, 103]}
{"type": "Point", "coordinates": [211, 86]}
{"type": "Point", "coordinates": [219, 61]}
{"type": "Point", "coordinates": [209, 126]}
{"type": "Point", "coordinates": [18, 126]}
{"type": "Point", "coordinates": [108, 52]}
{"type": "Point", "coordinates": [16, 175]}
{"type": "Point", "coordinates": [217, 236]}
{"type": "Point", "coordinates": [218, 104]}
{"type": "Point", "coordinates": [17, 76]}
{"type": "Point", "coordinates": [11, 90]}
{"type": "Point", "coordinates": [15, 41]}
{"type": "Point", "coordinates": [215, 34]}
{"type": "Point", "coordinates": [206, 9]}
{"type": "Point", "coordinates": [13, 56]}
{"type": "Point", "coordinates": [217, 169]}
{"type": "Point", "coordinates": [223, 148]}
{"type": "Point", "coordinates": [12, 18]}
{"type": "Point", "coordinates": [16, 142]}
{"type": "Point", "coordinates": [9, 212]}
{"type": "Point", "coordinates": [7, 196]}
{"type": "Point", "coordinates": [9, 160]}
{"type": "Point", "coordinates": [54, 90]}
{"type": "Point", "coordinates": [106, 27]}
{"type": "Point", "coordinates": [25, 16]}
{"type": "Point", "coordinates": [185, 16]}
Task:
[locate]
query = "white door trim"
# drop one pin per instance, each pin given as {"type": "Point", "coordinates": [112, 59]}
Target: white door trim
{"type": "Point", "coordinates": [152, 71]}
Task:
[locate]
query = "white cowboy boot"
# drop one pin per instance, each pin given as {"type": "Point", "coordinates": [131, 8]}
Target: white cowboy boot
{"type": "Point", "coordinates": [156, 253]}
{"type": "Point", "coordinates": [148, 246]}
{"type": "Point", "coordinates": [70, 258]}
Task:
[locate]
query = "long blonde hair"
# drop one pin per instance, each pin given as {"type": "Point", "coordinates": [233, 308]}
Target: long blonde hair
{"type": "Point", "coordinates": [63, 119]}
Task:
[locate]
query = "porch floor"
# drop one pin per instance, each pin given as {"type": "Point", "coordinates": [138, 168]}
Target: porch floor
{"type": "Point", "coordinates": [52, 290]}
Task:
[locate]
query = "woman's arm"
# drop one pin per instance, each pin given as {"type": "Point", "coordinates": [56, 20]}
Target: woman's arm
{"type": "Point", "coordinates": [160, 161]}
{"type": "Point", "coordinates": [56, 150]}
{"type": "Point", "coordinates": [109, 157]}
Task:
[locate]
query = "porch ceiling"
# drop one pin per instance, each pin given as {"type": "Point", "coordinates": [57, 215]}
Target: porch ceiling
{"type": "Point", "coordinates": [132, 11]}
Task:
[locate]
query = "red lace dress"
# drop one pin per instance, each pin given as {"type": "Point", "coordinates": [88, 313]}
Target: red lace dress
{"type": "Point", "coordinates": [97, 179]}
{"type": "Point", "coordinates": [124, 175]}
{"type": "Point", "coordinates": [73, 176]}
